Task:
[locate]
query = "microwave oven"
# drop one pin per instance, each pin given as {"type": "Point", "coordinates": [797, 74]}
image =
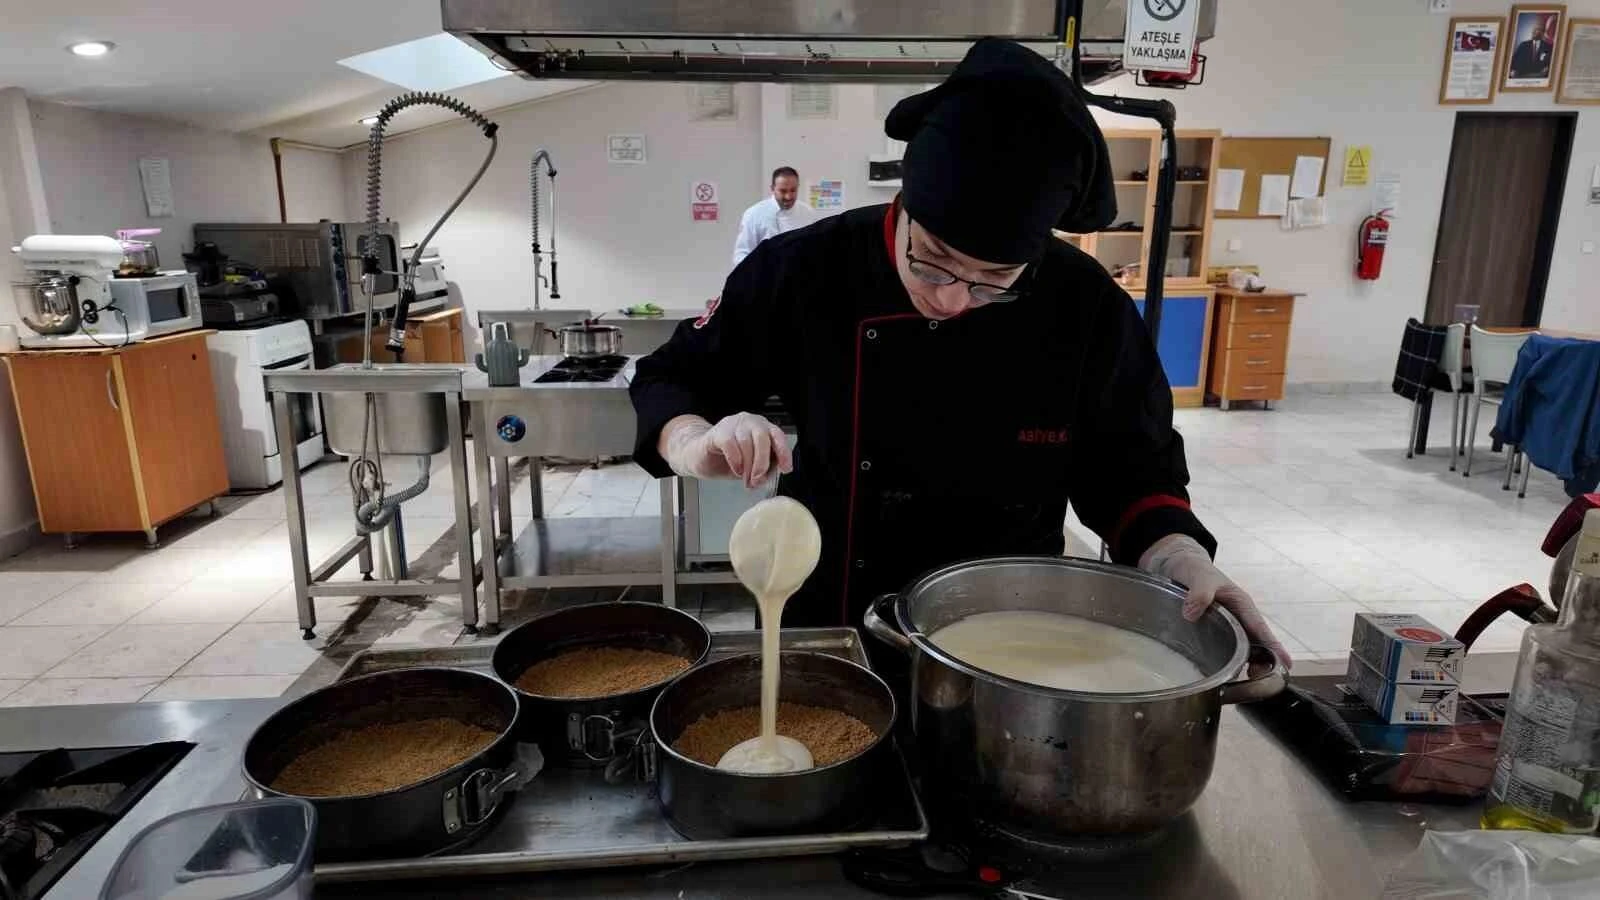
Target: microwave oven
{"type": "Point", "coordinates": [167, 302]}
{"type": "Point", "coordinates": [319, 262]}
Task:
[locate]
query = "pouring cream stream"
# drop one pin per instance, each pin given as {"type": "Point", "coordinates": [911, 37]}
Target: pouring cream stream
{"type": "Point", "coordinates": [774, 547]}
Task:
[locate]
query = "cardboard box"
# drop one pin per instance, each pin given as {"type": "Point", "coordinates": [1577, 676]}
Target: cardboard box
{"type": "Point", "coordinates": [1407, 649]}
{"type": "Point", "coordinates": [1403, 704]}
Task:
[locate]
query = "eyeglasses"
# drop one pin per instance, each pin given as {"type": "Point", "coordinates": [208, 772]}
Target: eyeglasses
{"type": "Point", "coordinates": [936, 275]}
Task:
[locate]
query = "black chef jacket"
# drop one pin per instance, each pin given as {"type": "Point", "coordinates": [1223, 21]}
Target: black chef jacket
{"type": "Point", "coordinates": [922, 443]}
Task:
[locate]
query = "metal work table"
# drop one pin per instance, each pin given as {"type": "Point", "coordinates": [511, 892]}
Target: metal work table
{"type": "Point", "coordinates": [315, 581]}
{"type": "Point", "coordinates": [576, 420]}
{"type": "Point", "coordinates": [1265, 827]}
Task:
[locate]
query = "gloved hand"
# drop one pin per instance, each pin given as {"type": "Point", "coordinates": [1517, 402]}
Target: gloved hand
{"type": "Point", "coordinates": [744, 446]}
{"type": "Point", "coordinates": [1180, 558]}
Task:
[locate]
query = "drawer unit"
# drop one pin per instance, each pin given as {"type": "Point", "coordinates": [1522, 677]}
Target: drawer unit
{"type": "Point", "coordinates": [1250, 346]}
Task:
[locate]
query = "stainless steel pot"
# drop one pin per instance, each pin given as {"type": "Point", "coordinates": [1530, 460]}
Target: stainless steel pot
{"type": "Point", "coordinates": [590, 731]}
{"type": "Point", "coordinates": [585, 339]}
{"type": "Point", "coordinates": [442, 811]}
{"type": "Point", "coordinates": [48, 304]}
{"type": "Point", "coordinates": [1064, 763]}
{"type": "Point", "coordinates": [703, 802]}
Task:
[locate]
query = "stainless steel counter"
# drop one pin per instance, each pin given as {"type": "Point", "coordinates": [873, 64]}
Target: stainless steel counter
{"type": "Point", "coordinates": [1265, 827]}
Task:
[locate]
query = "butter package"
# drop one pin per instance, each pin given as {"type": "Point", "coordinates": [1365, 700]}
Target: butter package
{"type": "Point", "coordinates": [1402, 704]}
{"type": "Point", "coordinates": [1407, 649]}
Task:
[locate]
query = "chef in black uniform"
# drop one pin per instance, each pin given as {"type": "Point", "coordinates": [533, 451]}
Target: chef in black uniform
{"type": "Point", "coordinates": [955, 373]}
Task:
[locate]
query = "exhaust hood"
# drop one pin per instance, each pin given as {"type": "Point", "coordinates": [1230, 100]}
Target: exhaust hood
{"type": "Point", "coordinates": [777, 40]}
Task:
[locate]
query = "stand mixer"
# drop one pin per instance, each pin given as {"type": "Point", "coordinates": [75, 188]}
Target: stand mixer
{"type": "Point", "coordinates": [66, 301]}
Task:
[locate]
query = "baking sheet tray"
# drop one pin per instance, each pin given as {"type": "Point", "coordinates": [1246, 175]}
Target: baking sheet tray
{"type": "Point", "coordinates": [572, 819]}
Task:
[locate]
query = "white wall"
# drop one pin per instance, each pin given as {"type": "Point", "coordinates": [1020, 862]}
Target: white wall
{"type": "Point", "coordinates": [90, 163]}
{"type": "Point", "coordinates": [1361, 72]}
{"type": "Point", "coordinates": [1366, 72]}
{"type": "Point", "coordinates": [624, 232]}
{"type": "Point", "coordinates": [17, 513]}
{"type": "Point", "coordinates": [313, 185]}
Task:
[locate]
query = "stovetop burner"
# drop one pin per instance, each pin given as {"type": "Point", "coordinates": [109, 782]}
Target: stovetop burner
{"type": "Point", "coordinates": [587, 369]}
{"type": "Point", "coordinates": [54, 804]}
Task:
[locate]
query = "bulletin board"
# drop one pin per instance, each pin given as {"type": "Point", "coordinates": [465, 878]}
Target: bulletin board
{"type": "Point", "coordinates": [1268, 156]}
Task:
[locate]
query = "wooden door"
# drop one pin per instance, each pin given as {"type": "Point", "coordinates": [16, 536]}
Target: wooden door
{"type": "Point", "coordinates": [176, 433]}
{"type": "Point", "coordinates": [71, 411]}
{"type": "Point", "coordinates": [1502, 200]}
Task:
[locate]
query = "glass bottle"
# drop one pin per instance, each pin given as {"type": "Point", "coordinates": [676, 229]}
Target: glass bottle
{"type": "Point", "coordinates": [1547, 771]}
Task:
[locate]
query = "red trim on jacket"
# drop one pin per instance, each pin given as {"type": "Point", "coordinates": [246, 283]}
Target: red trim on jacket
{"type": "Point", "coordinates": [1140, 507]}
{"type": "Point", "coordinates": [855, 459]}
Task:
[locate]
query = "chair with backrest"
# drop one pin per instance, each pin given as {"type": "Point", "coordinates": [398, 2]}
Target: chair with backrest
{"type": "Point", "coordinates": [1455, 378]}
{"type": "Point", "coordinates": [1494, 357]}
{"type": "Point", "coordinates": [1416, 372]}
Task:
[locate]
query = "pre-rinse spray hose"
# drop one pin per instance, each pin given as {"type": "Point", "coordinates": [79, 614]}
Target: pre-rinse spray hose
{"type": "Point", "coordinates": [373, 509]}
{"type": "Point", "coordinates": [533, 218]}
{"type": "Point", "coordinates": [369, 252]}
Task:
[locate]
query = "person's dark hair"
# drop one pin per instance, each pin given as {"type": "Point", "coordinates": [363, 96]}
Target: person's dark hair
{"type": "Point", "coordinates": [781, 171]}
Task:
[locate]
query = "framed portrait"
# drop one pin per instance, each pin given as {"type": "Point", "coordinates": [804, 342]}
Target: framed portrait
{"type": "Point", "coordinates": [1471, 60]}
{"type": "Point", "coordinates": [1580, 63]}
{"type": "Point", "coordinates": [1533, 47]}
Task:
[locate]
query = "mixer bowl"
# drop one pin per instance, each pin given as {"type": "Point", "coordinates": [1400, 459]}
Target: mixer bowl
{"type": "Point", "coordinates": [48, 304]}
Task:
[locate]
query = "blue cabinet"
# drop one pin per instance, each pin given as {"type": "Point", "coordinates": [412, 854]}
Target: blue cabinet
{"type": "Point", "coordinates": [1185, 320]}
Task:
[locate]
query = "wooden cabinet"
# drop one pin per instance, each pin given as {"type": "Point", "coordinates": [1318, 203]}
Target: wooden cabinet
{"type": "Point", "coordinates": [1250, 345]}
{"type": "Point", "coordinates": [119, 438]}
{"type": "Point", "coordinates": [430, 338]}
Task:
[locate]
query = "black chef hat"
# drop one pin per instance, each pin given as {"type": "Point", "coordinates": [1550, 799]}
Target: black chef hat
{"type": "Point", "coordinates": [1000, 153]}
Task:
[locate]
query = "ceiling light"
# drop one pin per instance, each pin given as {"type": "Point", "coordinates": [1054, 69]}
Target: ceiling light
{"type": "Point", "coordinates": [92, 48]}
{"type": "Point", "coordinates": [369, 121]}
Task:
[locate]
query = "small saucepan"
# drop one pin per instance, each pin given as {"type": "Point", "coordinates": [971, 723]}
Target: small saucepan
{"type": "Point", "coordinates": [589, 339]}
{"type": "Point", "coordinates": [442, 811]}
{"type": "Point", "coordinates": [592, 731]}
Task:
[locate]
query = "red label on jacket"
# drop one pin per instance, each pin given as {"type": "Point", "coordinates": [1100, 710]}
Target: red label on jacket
{"type": "Point", "coordinates": [1043, 436]}
{"type": "Point", "coordinates": [711, 308]}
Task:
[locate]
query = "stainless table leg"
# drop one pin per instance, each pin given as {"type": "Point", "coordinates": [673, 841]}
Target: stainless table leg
{"type": "Point", "coordinates": [397, 546]}
{"type": "Point", "coordinates": [535, 490]}
{"type": "Point", "coordinates": [294, 507]}
{"type": "Point", "coordinates": [490, 560]}
{"type": "Point", "coordinates": [458, 483]}
{"type": "Point", "coordinates": [669, 546]}
{"type": "Point", "coordinates": [502, 478]}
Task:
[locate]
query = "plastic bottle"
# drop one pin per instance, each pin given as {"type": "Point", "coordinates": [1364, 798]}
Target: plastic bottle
{"type": "Point", "coordinates": [1547, 772]}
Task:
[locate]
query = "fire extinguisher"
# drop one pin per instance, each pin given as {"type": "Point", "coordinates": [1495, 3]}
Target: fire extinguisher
{"type": "Point", "coordinates": [1371, 240]}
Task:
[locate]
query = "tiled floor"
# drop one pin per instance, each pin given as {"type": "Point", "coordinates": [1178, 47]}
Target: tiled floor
{"type": "Point", "coordinates": [1317, 511]}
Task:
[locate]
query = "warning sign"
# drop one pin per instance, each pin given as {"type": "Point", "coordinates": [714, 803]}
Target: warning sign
{"type": "Point", "coordinates": [1161, 35]}
{"type": "Point", "coordinates": [1357, 166]}
{"type": "Point", "coordinates": [703, 201]}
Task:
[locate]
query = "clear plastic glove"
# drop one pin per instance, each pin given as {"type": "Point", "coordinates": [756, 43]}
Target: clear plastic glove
{"type": "Point", "coordinates": [1180, 558]}
{"type": "Point", "coordinates": [743, 446]}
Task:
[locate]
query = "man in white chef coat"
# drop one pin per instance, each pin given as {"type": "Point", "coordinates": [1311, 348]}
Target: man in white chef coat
{"type": "Point", "coordinates": [780, 212]}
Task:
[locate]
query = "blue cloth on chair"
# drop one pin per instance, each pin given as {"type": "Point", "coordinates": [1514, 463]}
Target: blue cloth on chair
{"type": "Point", "coordinates": [1552, 409]}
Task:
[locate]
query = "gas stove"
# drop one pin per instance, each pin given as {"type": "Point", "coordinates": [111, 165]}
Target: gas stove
{"type": "Point", "coordinates": [54, 804]}
{"type": "Point", "coordinates": [579, 369]}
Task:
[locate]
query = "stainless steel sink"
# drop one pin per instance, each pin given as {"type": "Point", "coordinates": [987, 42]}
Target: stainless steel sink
{"type": "Point", "coordinates": [406, 424]}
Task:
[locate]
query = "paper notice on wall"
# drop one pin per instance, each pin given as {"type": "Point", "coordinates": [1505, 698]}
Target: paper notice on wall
{"type": "Point", "coordinates": [810, 101]}
{"type": "Point", "coordinates": [155, 174]}
{"type": "Point", "coordinates": [1307, 177]}
{"type": "Point", "coordinates": [826, 194]}
{"type": "Point", "coordinates": [625, 149]}
{"type": "Point", "coordinates": [1230, 189]}
{"type": "Point", "coordinates": [1274, 199]}
{"type": "Point", "coordinates": [1386, 198]}
{"type": "Point", "coordinates": [712, 103]}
